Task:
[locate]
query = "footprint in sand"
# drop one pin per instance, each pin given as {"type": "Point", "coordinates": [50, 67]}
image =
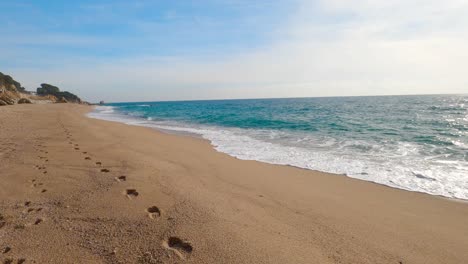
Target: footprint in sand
{"type": "Point", "coordinates": [121, 178]}
{"type": "Point", "coordinates": [181, 248]}
{"type": "Point", "coordinates": [131, 193]}
{"type": "Point", "coordinates": [6, 250]}
{"type": "Point", "coordinates": [84, 152]}
{"type": "Point", "coordinates": [87, 158]}
{"type": "Point", "coordinates": [44, 190]}
{"type": "Point", "coordinates": [105, 170]}
{"type": "Point", "coordinates": [11, 261]}
{"type": "Point", "coordinates": [153, 212]}
{"type": "Point", "coordinates": [2, 221]}
{"type": "Point", "coordinates": [99, 163]}
{"type": "Point", "coordinates": [37, 184]}
{"type": "Point", "coordinates": [77, 148]}
{"type": "Point", "coordinates": [38, 221]}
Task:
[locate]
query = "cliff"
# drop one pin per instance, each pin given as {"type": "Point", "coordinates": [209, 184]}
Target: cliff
{"type": "Point", "coordinates": [63, 96]}
{"type": "Point", "coordinates": [11, 92]}
{"type": "Point", "coordinates": [9, 84]}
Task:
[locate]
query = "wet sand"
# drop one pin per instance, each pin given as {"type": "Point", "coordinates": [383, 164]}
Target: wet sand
{"type": "Point", "coordinates": [80, 190]}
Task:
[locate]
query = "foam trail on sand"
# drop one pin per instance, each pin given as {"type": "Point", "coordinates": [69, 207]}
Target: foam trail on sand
{"type": "Point", "coordinates": [424, 163]}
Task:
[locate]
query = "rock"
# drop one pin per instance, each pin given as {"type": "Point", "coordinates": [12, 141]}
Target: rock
{"type": "Point", "coordinates": [62, 100]}
{"type": "Point", "coordinates": [47, 89]}
{"type": "Point", "coordinates": [24, 101]}
{"type": "Point", "coordinates": [9, 97]}
{"type": "Point", "coordinates": [52, 98]}
{"type": "Point", "coordinates": [3, 103]}
{"type": "Point", "coordinates": [7, 100]}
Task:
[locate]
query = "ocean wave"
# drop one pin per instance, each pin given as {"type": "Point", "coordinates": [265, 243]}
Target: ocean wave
{"type": "Point", "coordinates": [103, 109]}
{"type": "Point", "coordinates": [398, 164]}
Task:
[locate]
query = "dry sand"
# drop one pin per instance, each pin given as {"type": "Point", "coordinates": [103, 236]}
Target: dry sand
{"type": "Point", "coordinates": [61, 201]}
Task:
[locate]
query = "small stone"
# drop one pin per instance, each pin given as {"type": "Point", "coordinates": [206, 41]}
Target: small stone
{"type": "Point", "coordinates": [24, 101]}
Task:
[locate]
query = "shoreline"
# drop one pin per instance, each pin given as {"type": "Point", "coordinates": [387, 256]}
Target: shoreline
{"type": "Point", "coordinates": [142, 122]}
{"type": "Point", "coordinates": [194, 204]}
{"type": "Point", "coordinates": [199, 137]}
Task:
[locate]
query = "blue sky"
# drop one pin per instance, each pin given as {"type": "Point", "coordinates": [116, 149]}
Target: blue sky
{"type": "Point", "coordinates": [170, 50]}
{"type": "Point", "coordinates": [99, 30]}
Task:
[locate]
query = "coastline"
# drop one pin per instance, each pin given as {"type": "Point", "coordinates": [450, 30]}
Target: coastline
{"type": "Point", "coordinates": [208, 141]}
{"type": "Point", "coordinates": [228, 210]}
{"type": "Point", "coordinates": [398, 154]}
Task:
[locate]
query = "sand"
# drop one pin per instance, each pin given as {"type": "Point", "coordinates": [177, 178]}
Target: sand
{"type": "Point", "coordinates": [80, 190]}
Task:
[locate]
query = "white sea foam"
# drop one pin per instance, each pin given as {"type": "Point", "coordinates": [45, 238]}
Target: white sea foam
{"type": "Point", "coordinates": [399, 165]}
{"type": "Point", "coordinates": [102, 109]}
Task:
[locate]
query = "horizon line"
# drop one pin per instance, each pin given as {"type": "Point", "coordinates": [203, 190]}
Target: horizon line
{"type": "Point", "coordinates": [274, 98]}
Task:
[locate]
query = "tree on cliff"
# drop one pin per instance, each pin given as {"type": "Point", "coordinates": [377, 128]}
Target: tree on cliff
{"type": "Point", "coordinates": [47, 89]}
{"type": "Point", "coordinates": [10, 84]}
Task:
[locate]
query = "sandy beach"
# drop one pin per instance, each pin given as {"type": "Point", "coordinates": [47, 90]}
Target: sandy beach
{"type": "Point", "coordinates": [80, 190]}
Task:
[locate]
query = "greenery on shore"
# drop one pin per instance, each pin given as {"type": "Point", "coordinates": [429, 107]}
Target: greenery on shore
{"type": "Point", "coordinates": [11, 92]}
{"type": "Point", "coordinates": [47, 89]}
{"type": "Point", "coordinates": [10, 84]}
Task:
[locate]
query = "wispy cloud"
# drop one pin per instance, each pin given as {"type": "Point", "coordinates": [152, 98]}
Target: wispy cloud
{"type": "Point", "coordinates": [54, 39]}
{"type": "Point", "coordinates": [320, 48]}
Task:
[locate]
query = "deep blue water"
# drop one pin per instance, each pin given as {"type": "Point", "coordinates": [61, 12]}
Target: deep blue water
{"type": "Point", "coordinates": [417, 143]}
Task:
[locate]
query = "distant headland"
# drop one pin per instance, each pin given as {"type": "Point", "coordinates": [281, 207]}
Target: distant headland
{"type": "Point", "coordinates": [11, 92]}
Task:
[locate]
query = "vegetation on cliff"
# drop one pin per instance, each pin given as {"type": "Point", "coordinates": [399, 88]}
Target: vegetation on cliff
{"type": "Point", "coordinates": [7, 82]}
{"type": "Point", "coordinates": [11, 92]}
{"type": "Point", "coordinates": [47, 89]}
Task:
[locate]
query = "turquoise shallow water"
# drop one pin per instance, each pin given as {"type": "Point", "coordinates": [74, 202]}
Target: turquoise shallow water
{"type": "Point", "coordinates": [417, 143]}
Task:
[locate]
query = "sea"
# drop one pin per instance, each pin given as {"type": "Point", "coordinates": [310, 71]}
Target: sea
{"type": "Point", "coordinates": [416, 143]}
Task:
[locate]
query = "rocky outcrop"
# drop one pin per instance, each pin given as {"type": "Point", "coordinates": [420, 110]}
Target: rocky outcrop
{"type": "Point", "coordinates": [47, 89]}
{"type": "Point", "coordinates": [9, 97]}
{"type": "Point", "coordinates": [7, 101]}
{"type": "Point", "coordinates": [9, 90]}
{"type": "Point", "coordinates": [12, 92]}
{"type": "Point", "coordinates": [7, 83]}
{"type": "Point", "coordinates": [62, 100]}
{"type": "Point", "coordinates": [24, 101]}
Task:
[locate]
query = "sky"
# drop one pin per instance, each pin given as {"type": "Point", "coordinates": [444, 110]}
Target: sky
{"type": "Point", "coordinates": [143, 50]}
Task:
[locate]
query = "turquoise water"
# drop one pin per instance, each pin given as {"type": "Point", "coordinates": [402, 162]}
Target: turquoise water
{"type": "Point", "coordinates": [417, 143]}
